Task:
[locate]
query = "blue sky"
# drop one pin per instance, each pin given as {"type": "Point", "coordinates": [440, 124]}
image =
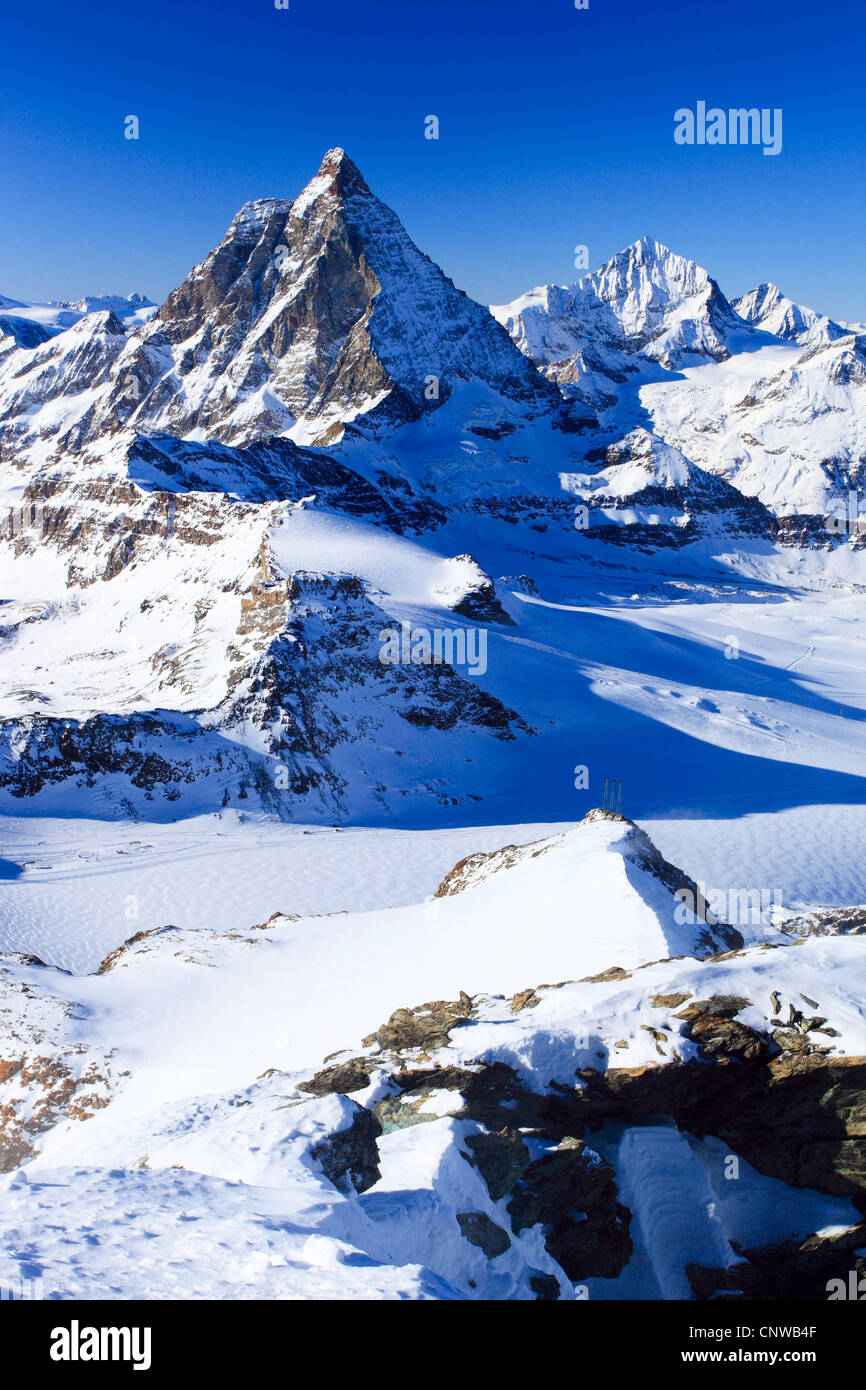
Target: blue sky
{"type": "Point", "coordinates": [556, 129]}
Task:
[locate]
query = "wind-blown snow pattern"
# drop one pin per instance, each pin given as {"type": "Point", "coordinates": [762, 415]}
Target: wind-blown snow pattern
{"type": "Point", "coordinates": [431, 780]}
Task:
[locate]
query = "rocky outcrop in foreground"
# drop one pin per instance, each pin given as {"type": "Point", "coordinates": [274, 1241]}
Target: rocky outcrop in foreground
{"type": "Point", "coordinates": [774, 1093]}
{"type": "Point", "coordinates": [691, 1126]}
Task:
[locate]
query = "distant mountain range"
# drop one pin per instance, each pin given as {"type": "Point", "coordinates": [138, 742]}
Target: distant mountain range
{"type": "Point", "coordinates": [29, 323]}
{"type": "Point", "coordinates": [782, 417]}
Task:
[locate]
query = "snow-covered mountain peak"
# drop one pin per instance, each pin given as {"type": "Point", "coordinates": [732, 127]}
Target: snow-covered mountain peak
{"type": "Point", "coordinates": [639, 277]}
{"type": "Point", "coordinates": [647, 305]}
{"type": "Point", "coordinates": [647, 259]}
{"type": "Point", "coordinates": [97, 321]}
{"type": "Point", "coordinates": [767, 308]}
{"type": "Point", "coordinates": [668, 306]}
{"type": "Point", "coordinates": [309, 314]}
{"type": "Point", "coordinates": [338, 178]}
{"type": "Point", "coordinates": [126, 307]}
{"type": "Point", "coordinates": [648, 247]}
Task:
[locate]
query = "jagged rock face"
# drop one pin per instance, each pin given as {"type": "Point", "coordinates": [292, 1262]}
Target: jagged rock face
{"type": "Point", "coordinates": [160, 546]}
{"type": "Point", "coordinates": [305, 684]}
{"type": "Point", "coordinates": [572, 1194]}
{"type": "Point", "coordinates": [152, 752]}
{"type": "Point", "coordinates": [162, 446]}
{"type": "Point", "coordinates": [427, 1026]}
{"type": "Point", "coordinates": [467, 590]}
{"type": "Point", "coordinates": [795, 1116]}
{"type": "Point", "coordinates": [307, 315]}
{"type": "Point", "coordinates": [787, 426]}
{"type": "Point", "coordinates": [828, 921]}
{"type": "Point", "coordinates": [636, 292]}
{"type": "Point", "coordinates": [324, 666]}
{"type": "Point", "coordinates": [502, 1158]}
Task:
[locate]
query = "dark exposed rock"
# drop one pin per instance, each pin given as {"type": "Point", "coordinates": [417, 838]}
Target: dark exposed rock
{"type": "Point", "coordinates": [501, 1158]}
{"type": "Point", "coordinates": [323, 306]}
{"type": "Point", "coordinates": [711, 1024]}
{"type": "Point", "coordinates": [828, 921]}
{"type": "Point", "coordinates": [426, 1026]}
{"type": "Point", "coordinates": [718, 1006]}
{"type": "Point", "coordinates": [568, 1180]}
{"type": "Point", "coordinates": [545, 1287]}
{"type": "Point", "coordinates": [400, 1112]}
{"type": "Point", "coordinates": [470, 870]}
{"type": "Point", "coordinates": [794, 1269]}
{"type": "Point", "coordinates": [790, 1040]}
{"type": "Point", "coordinates": [273, 468]}
{"type": "Point", "coordinates": [494, 1095]}
{"type": "Point", "coordinates": [699, 496]}
{"type": "Point", "coordinates": [739, 1280]}
{"type": "Point", "coordinates": [668, 1001]}
{"type": "Point", "coordinates": [344, 1077]}
{"type": "Point", "coordinates": [797, 1117]}
{"type": "Point", "coordinates": [613, 972]}
{"type": "Point", "coordinates": [479, 1230]}
{"type": "Point", "coordinates": [526, 999]}
{"type": "Point", "coordinates": [834, 1165]}
{"type": "Point", "coordinates": [436, 1077]}
{"type": "Point", "coordinates": [480, 603]}
{"type": "Point", "coordinates": [598, 1246]}
{"type": "Point", "coordinates": [350, 1156]}
{"type": "Point", "coordinates": [643, 853]}
{"type": "Point", "coordinates": [721, 1038]}
{"type": "Point", "coordinates": [50, 750]}
{"type": "Point", "coordinates": [301, 643]}
{"type": "Point", "coordinates": [572, 1193]}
